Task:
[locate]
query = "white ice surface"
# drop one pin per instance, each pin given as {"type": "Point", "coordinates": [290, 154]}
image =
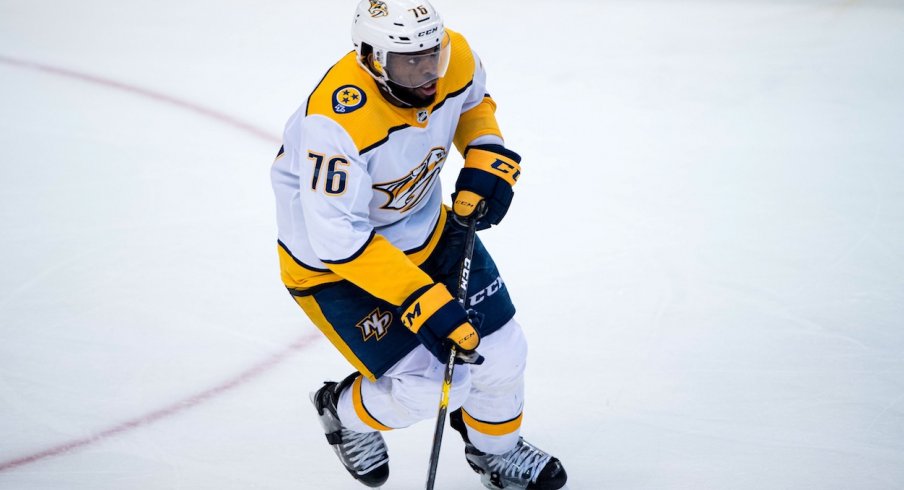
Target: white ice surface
{"type": "Point", "coordinates": [706, 247]}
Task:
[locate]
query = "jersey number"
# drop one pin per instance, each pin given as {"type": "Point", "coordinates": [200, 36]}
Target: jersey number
{"type": "Point", "coordinates": [335, 177]}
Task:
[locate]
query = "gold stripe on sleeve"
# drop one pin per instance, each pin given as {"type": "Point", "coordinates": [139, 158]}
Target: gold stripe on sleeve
{"type": "Point", "coordinates": [383, 271]}
{"type": "Point", "coordinates": [300, 278]}
{"type": "Point", "coordinates": [476, 122]}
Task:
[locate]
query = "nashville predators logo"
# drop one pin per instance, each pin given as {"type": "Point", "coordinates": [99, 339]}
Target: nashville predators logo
{"type": "Point", "coordinates": [407, 192]}
{"type": "Point", "coordinates": [348, 98]}
{"type": "Point", "coordinates": [375, 325]}
{"type": "Point", "coordinates": [378, 9]}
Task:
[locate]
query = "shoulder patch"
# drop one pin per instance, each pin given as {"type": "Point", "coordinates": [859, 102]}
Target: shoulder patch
{"type": "Point", "coordinates": [348, 98]}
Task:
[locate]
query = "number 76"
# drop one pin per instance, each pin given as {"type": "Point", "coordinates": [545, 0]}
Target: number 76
{"type": "Point", "coordinates": [419, 11]}
{"type": "Point", "coordinates": [336, 176]}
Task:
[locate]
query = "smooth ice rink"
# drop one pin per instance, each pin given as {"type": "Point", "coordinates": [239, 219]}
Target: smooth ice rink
{"type": "Point", "coordinates": [706, 247]}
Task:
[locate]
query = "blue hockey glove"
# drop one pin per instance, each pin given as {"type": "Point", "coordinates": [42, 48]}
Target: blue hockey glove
{"type": "Point", "coordinates": [489, 173]}
{"type": "Point", "coordinates": [437, 319]}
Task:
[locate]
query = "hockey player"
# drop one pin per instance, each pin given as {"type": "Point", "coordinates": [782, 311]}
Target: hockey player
{"type": "Point", "coordinates": [370, 253]}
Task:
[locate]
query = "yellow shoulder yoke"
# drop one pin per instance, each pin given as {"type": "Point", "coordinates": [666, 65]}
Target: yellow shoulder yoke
{"type": "Point", "coordinates": [349, 96]}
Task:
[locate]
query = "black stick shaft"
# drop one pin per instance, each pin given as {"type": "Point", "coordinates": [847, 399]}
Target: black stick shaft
{"type": "Point", "coordinates": [463, 278]}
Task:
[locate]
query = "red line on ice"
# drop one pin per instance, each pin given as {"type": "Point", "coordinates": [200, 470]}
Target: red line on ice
{"type": "Point", "coordinates": [192, 401]}
{"type": "Point", "coordinates": [167, 411]}
{"type": "Point", "coordinates": [133, 89]}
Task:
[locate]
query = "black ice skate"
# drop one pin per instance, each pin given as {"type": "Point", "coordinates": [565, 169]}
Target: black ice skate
{"type": "Point", "coordinates": [525, 467]}
{"type": "Point", "coordinates": [362, 453]}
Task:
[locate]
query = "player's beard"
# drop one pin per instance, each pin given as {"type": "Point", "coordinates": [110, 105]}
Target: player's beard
{"type": "Point", "coordinates": [423, 96]}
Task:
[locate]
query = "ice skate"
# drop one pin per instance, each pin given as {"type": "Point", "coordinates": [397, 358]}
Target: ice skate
{"type": "Point", "coordinates": [362, 453]}
{"type": "Point", "coordinates": [525, 467]}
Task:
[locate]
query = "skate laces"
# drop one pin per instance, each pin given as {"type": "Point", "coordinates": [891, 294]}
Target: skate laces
{"type": "Point", "coordinates": [365, 450]}
{"type": "Point", "coordinates": [524, 461]}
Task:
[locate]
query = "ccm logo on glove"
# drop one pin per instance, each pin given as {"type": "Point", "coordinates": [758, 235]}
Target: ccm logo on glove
{"type": "Point", "coordinates": [505, 167]}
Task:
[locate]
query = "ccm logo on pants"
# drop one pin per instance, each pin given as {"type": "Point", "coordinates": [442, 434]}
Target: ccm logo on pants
{"type": "Point", "coordinates": [486, 292]}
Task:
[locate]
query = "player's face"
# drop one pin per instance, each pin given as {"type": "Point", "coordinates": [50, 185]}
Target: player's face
{"type": "Point", "coordinates": [419, 69]}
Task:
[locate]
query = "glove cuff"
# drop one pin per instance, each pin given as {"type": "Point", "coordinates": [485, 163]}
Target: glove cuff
{"type": "Point", "coordinates": [428, 302]}
{"type": "Point", "coordinates": [495, 149]}
{"type": "Point", "coordinates": [495, 160]}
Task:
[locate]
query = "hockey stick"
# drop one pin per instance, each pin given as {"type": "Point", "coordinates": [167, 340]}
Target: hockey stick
{"type": "Point", "coordinates": [463, 277]}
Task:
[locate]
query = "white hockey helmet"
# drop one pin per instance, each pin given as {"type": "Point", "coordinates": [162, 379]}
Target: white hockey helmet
{"type": "Point", "coordinates": [407, 39]}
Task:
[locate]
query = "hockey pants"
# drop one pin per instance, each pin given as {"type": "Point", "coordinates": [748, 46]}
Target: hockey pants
{"type": "Point", "coordinates": [491, 394]}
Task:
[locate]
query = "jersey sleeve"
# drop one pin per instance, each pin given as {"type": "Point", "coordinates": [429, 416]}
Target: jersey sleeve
{"type": "Point", "coordinates": [478, 118]}
{"type": "Point", "coordinates": [335, 192]}
{"type": "Point", "coordinates": [334, 189]}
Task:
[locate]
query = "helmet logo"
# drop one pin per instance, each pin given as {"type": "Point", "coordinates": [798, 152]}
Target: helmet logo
{"type": "Point", "coordinates": [348, 98]}
{"type": "Point", "coordinates": [378, 9]}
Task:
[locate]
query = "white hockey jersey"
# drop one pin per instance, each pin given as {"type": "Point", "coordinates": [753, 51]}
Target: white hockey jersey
{"type": "Point", "coordinates": [357, 187]}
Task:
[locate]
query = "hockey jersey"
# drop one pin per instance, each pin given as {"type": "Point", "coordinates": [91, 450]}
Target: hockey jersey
{"type": "Point", "coordinates": [358, 194]}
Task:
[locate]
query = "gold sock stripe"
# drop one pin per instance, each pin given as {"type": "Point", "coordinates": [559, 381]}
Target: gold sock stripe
{"type": "Point", "coordinates": [426, 305]}
{"type": "Point", "coordinates": [361, 410]}
{"type": "Point", "coordinates": [499, 165]}
{"type": "Point", "coordinates": [492, 428]}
